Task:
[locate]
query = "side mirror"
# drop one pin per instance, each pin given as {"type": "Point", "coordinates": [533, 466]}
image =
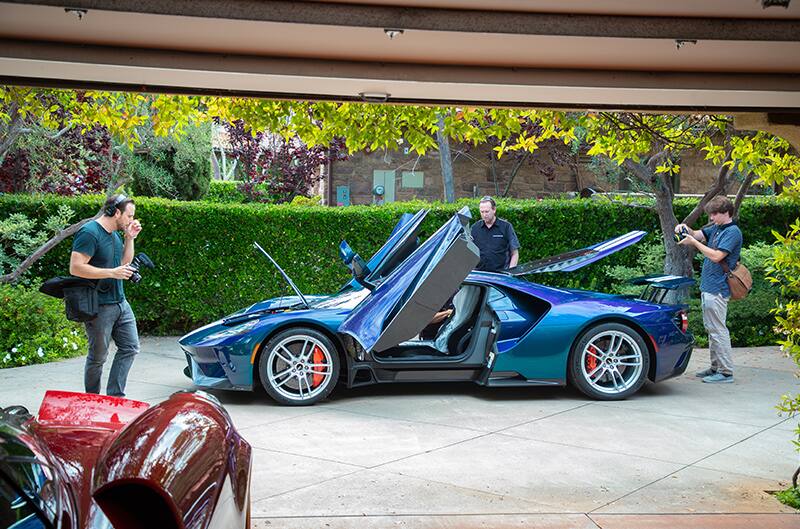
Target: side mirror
{"type": "Point", "coordinates": [356, 264]}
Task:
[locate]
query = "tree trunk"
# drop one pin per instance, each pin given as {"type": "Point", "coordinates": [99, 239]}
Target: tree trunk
{"type": "Point", "coordinates": [9, 134]}
{"type": "Point", "coordinates": [514, 172]}
{"type": "Point", "coordinates": [493, 161]}
{"type": "Point", "coordinates": [447, 162]}
{"type": "Point", "coordinates": [677, 259]}
{"type": "Point", "coordinates": [743, 188]}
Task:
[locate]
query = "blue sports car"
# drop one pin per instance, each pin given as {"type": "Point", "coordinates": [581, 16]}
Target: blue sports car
{"type": "Point", "coordinates": [419, 313]}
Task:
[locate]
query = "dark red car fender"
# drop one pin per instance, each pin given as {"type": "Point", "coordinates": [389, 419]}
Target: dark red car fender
{"type": "Point", "coordinates": [169, 467]}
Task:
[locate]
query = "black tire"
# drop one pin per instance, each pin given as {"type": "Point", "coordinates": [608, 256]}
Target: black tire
{"type": "Point", "coordinates": [603, 374]}
{"type": "Point", "coordinates": [288, 369]}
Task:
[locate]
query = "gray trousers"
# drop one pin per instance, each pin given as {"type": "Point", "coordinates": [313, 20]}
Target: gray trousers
{"type": "Point", "coordinates": [715, 311]}
{"type": "Point", "coordinates": [115, 321]}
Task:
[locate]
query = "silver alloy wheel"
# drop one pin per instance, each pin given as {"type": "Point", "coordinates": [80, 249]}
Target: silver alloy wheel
{"type": "Point", "coordinates": [611, 362]}
{"type": "Point", "coordinates": [291, 367]}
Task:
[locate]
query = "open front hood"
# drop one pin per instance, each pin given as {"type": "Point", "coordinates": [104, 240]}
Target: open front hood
{"type": "Point", "coordinates": [406, 301]}
{"type": "Point", "coordinates": [283, 274]}
{"type": "Point", "coordinates": [570, 261]}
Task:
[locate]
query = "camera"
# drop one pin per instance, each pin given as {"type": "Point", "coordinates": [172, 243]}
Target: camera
{"type": "Point", "coordinates": [140, 260]}
{"type": "Point", "coordinates": [681, 235]}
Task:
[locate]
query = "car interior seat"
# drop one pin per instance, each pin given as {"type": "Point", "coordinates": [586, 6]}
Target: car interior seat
{"type": "Point", "coordinates": [456, 326]}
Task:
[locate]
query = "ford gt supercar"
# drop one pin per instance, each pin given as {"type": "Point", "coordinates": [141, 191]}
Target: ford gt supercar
{"type": "Point", "coordinates": [96, 462]}
{"type": "Point", "coordinates": [499, 329]}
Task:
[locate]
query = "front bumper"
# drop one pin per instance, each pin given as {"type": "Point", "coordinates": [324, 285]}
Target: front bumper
{"type": "Point", "coordinates": [217, 375]}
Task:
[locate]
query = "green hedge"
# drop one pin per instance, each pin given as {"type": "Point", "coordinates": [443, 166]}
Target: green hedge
{"type": "Point", "coordinates": [206, 267]}
{"type": "Point", "coordinates": [225, 191]}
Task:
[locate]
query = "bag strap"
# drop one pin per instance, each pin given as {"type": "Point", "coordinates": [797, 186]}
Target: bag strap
{"type": "Point", "coordinates": [725, 267]}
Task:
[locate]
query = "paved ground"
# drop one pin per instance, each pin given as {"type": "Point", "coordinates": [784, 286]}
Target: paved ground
{"type": "Point", "coordinates": [679, 454]}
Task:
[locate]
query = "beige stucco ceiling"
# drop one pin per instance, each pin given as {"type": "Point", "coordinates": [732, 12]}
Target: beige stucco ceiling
{"type": "Point", "coordinates": [725, 54]}
{"type": "Point", "coordinates": [661, 8]}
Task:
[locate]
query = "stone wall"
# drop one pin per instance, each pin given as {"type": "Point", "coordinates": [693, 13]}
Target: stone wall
{"type": "Point", "coordinates": [538, 175]}
{"type": "Point", "coordinates": [549, 171]}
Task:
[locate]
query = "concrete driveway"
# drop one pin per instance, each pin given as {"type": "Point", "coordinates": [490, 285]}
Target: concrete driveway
{"type": "Point", "coordinates": [680, 453]}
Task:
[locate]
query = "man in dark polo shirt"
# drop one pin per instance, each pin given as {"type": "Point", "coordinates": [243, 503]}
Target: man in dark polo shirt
{"type": "Point", "coordinates": [495, 238]}
{"type": "Point", "coordinates": [99, 253]}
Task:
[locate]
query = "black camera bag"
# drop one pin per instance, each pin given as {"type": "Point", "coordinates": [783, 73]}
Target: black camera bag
{"type": "Point", "coordinates": [79, 294]}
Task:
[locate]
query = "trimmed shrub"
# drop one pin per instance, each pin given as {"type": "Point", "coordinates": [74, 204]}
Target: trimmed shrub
{"type": "Point", "coordinates": [206, 267]}
{"type": "Point", "coordinates": [304, 201]}
{"type": "Point", "coordinates": [33, 328]}
{"type": "Point", "coordinates": [225, 191]}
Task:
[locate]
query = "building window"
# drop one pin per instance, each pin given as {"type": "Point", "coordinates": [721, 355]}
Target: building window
{"type": "Point", "coordinates": [413, 179]}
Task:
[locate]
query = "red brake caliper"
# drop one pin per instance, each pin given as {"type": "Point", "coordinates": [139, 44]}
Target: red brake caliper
{"type": "Point", "coordinates": [318, 358]}
{"type": "Point", "coordinates": [591, 360]}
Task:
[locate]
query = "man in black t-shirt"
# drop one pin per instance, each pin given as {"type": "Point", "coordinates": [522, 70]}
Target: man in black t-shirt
{"type": "Point", "coordinates": [495, 238]}
{"type": "Point", "coordinates": [98, 252]}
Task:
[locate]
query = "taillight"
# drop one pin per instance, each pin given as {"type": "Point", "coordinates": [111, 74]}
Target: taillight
{"type": "Point", "coordinates": [682, 321]}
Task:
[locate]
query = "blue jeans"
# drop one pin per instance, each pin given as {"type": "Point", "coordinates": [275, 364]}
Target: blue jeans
{"type": "Point", "coordinates": [115, 320]}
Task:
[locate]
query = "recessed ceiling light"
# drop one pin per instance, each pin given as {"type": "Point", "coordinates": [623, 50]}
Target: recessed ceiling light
{"type": "Point", "coordinates": [393, 33]}
{"type": "Point", "coordinates": [778, 3]}
{"type": "Point", "coordinates": [374, 97]}
{"type": "Point", "coordinates": [76, 11]}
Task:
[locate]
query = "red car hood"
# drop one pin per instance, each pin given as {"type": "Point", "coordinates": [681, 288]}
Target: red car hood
{"type": "Point", "coordinates": [76, 427]}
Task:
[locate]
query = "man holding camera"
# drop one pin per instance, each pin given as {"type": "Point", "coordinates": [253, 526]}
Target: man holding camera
{"type": "Point", "coordinates": [98, 252]}
{"type": "Point", "coordinates": [721, 241]}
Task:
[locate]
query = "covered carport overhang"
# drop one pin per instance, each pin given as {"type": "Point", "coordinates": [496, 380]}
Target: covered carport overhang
{"type": "Point", "coordinates": [735, 56]}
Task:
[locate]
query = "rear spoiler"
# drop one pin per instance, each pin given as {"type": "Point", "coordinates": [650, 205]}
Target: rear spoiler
{"type": "Point", "coordinates": [656, 287]}
{"type": "Point", "coordinates": [569, 261]}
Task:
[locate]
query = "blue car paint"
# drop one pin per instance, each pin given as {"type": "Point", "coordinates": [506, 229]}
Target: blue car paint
{"type": "Point", "coordinates": [366, 323]}
{"type": "Point", "coordinates": [221, 356]}
{"type": "Point", "coordinates": [405, 227]}
{"type": "Point", "coordinates": [538, 325]}
{"type": "Point", "coordinates": [537, 349]}
{"type": "Point", "coordinates": [542, 351]}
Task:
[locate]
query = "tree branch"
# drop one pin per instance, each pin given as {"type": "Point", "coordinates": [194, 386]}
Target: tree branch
{"type": "Point", "coordinates": [639, 170]}
{"type": "Point", "coordinates": [46, 247]}
{"type": "Point", "coordinates": [742, 192]}
{"type": "Point", "coordinates": [514, 172]}
{"type": "Point", "coordinates": [60, 132]}
{"type": "Point", "coordinates": [493, 161]}
{"type": "Point", "coordinates": [719, 187]}
{"type": "Point", "coordinates": [115, 183]}
{"type": "Point", "coordinates": [13, 132]}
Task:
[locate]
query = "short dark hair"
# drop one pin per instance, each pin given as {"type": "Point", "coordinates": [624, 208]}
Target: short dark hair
{"type": "Point", "coordinates": [114, 203]}
{"type": "Point", "coordinates": [490, 200]}
{"type": "Point", "coordinates": [719, 204]}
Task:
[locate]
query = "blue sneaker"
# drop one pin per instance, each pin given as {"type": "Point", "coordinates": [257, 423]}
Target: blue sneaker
{"type": "Point", "coordinates": [718, 378]}
{"type": "Point", "coordinates": [705, 373]}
